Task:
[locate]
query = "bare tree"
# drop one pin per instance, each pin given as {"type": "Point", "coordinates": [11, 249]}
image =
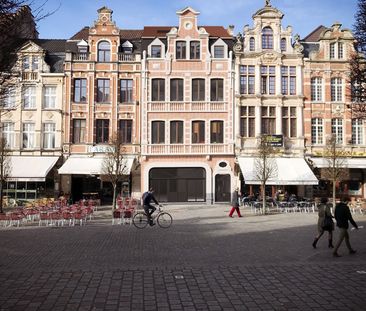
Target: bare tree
{"type": "Point", "coordinates": [336, 162]}
{"type": "Point", "coordinates": [357, 64]}
{"type": "Point", "coordinates": [115, 165]}
{"type": "Point", "coordinates": [265, 166]}
{"type": "Point", "coordinates": [5, 168]}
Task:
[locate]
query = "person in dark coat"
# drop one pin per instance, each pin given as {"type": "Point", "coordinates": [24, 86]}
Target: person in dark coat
{"type": "Point", "coordinates": [342, 215]}
{"type": "Point", "coordinates": [149, 209]}
{"type": "Point", "coordinates": [324, 210]}
{"type": "Point", "coordinates": [235, 203]}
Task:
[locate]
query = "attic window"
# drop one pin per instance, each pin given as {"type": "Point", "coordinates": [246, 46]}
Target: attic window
{"type": "Point", "coordinates": [219, 51]}
{"type": "Point", "coordinates": [156, 51]}
{"type": "Point", "coordinates": [127, 47]}
{"type": "Point", "coordinates": [82, 49]}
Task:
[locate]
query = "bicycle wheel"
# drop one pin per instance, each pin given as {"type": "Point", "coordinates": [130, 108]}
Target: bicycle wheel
{"type": "Point", "coordinates": [164, 220]}
{"type": "Point", "coordinates": [140, 220]}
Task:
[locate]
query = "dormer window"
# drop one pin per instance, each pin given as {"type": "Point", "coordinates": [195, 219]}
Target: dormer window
{"type": "Point", "coordinates": [156, 51]}
{"type": "Point", "coordinates": [332, 51]}
{"type": "Point", "coordinates": [26, 63]}
{"type": "Point", "coordinates": [267, 38]}
{"type": "Point", "coordinates": [35, 62]}
{"type": "Point", "coordinates": [336, 50]}
{"type": "Point", "coordinates": [104, 51]}
{"type": "Point", "coordinates": [251, 44]}
{"type": "Point", "coordinates": [283, 45]}
{"type": "Point", "coordinates": [82, 47]}
{"type": "Point", "coordinates": [219, 51]}
{"type": "Point", "coordinates": [340, 50]}
{"type": "Point", "coordinates": [127, 47]}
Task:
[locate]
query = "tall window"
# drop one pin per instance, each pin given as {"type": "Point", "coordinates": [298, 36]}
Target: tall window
{"type": "Point", "coordinates": [158, 132]}
{"type": "Point", "coordinates": [288, 80]}
{"type": "Point", "coordinates": [337, 130]}
{"type": "Point", "coordinates": [219, 51]}
{"type": "Point", "coordinates": [104, 51]}
{"type": "Point", "coordinates": [332, 50]}
{"type": "Point", "coordinates": [357, 132]}
{"type": "Point", "coordinates": [79, 131]}
{"type": "Point", "coordinates": [251, 44]}
{"type": "Point", "coordinates": [28, 135]}
{"type": "Point", "coordinates": [336, 89]}
{"type": "Point", "coordinates": [268, 120]}
{"type": "Point", "coordinates": [79, 90]}
{"type": "Point", "coordinates": [35, 63]}
{"type": "Point", "coordinates": [49, 130]}
{"type": "Point", "coordinates": [198, 132]}
{"type": "Point", "coordinates": [283, 45]}
{"type": "Point", "coordinates": [289, 121]}
{"type": "Point", "coordinates": [10, 99]}
{"type": "Point", "coordinates": [103, 90]}
{"type": "Point", "coordinates": [126, 90]}
{"type": "Point", "coordinates": [180, 48]}
{"type": "Point", "coordinates": [316, 89]}
{"type": "Point", "coordinates": [267, 38]}
{"type": "Point", "coordinates": [125, 131]}
{"type": "Point", "coordinates": [247, 79]}
{"type": "Point", "coordinates": [156, 51]}
{"type": "Point", "coordinates": [49, 97]}
{"type": "Point", "coordinates": [8, 134]}
{"type": "Point", "coordinates": [316, 131]}
{"type": "Point", "coordinates": [176, 132]}
{"type": "Point", "coordinates": [247, 121]}
{"type": "Point", "coordinates": [217, 132]}
{"type": "Point", "coordinates": [26, 65]}
{"type": "Point", "coordinates": [194, 50]}
{"type": "Point", "coordinates": [30, 97]}
{"type": "Point", "coordinates": [176, 90]}
{"type": "Point", "coordinates": [158, 90]}
{"type": "Point", "coordinates": [268, 80]}
{"type": "Point", "coordinates": [198, 89]}
{"type": "Point", "coordinates": [217, 89]}
{"type": "Point", "coordinates": [340, 50]}
{"type": "Point", "coordinates": [102, 131]}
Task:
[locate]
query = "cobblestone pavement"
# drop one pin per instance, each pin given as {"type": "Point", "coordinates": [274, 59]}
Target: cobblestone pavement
{"type": "Point", "coordinates": [205, 261]}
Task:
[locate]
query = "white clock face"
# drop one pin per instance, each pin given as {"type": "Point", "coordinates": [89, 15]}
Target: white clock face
{"type": "Point", "coordinates": [188, 25]}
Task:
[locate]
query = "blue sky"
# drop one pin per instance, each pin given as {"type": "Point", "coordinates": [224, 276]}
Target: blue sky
{"type": "Point", "coordinates": [302, 15]}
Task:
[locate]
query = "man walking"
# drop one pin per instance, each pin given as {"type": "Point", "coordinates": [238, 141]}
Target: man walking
{"type": "Point", "coordinates": [342, 215]}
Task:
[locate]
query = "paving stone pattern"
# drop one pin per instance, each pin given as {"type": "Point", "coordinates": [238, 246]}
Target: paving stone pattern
{"type": "Point", "coordinates": [205, 261]}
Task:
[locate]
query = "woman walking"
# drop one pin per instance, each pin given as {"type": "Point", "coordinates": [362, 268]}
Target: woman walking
{"type": "Point", "coordinates": [323, 213]}
{"type": "Point", "coordinates": [235, 203]}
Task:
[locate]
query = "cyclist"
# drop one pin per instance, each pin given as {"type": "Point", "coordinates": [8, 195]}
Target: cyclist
{"type": "Point", "coordinates": [147, 197]}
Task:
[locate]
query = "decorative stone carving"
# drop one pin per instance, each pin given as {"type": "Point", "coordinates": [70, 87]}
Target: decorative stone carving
{"type": "Point", "coordinates": [269, 58]}
{"type": "Point", "coordinates": [238, 46]}
{"type": "Point", "coordinates": [297, 45]}
{"type": "Point", "coordinates": [49, 115]}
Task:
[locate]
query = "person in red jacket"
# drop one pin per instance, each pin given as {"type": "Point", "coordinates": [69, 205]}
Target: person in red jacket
{"type": "Point", "coordinates": [342, 215]}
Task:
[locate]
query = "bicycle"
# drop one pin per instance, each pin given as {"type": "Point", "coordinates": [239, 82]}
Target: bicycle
{"type": "Point", "coordinates": [163, 219]}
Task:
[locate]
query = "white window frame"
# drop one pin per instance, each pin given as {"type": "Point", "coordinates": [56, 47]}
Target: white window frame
{"type": "Point", "coordinates": [357, 132]}
{"type": "Point", "coordinates": [10, 99]}
{"type": "Point", "coordinates": [9, 134]}
{"type": "Point", "coordinates": [219, 42]}
{"type": "Point", "coordinates": [49, 135]}
{"type": "Point", "coordinates": [29, 135]}
{"type": "Point", "coordinates": [30, 97]}
{"type": "Point", "coordinates": [317, 131]}
{"type": "Point", "coordinates": [49, 97]}
{"type": "Point", "coordinates": [336, 89]}
{"type": "Point", "coordinates": [316, 89]}
{"type": "Point", "coordinates": [337, 130]}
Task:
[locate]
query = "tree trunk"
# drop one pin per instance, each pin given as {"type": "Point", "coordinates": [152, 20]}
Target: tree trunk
{"type": "Point", "coordinates": [114, 197]}
{"type": "Point", "coordinates": [334, 194]}
{"type": "Point", "coordinates": [1, 197]}
{"type": "Point", "coordinates": [264, 198]}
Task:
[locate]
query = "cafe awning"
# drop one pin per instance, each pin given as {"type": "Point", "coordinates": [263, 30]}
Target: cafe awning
{"type": "Point", "coordinates": [32, 169]}
{"type": "Point", "coordinates": [78, 165]}
{"type": "Point", "coordinates": [290, 171]}
{"type": "Point", "coordinates": [347, 163]}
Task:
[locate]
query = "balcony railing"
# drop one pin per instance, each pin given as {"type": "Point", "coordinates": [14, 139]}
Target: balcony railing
{"type": "Point", "coordinates": [192, 149]}
{"type": "Point", "coordinates": [80, 56]}
{"type": "Point", "coordinates": [29, 76]}
{"type": "Point", "coordinates": [187, 106]}
{"type": "Point", "coordinates": [126, 57]}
